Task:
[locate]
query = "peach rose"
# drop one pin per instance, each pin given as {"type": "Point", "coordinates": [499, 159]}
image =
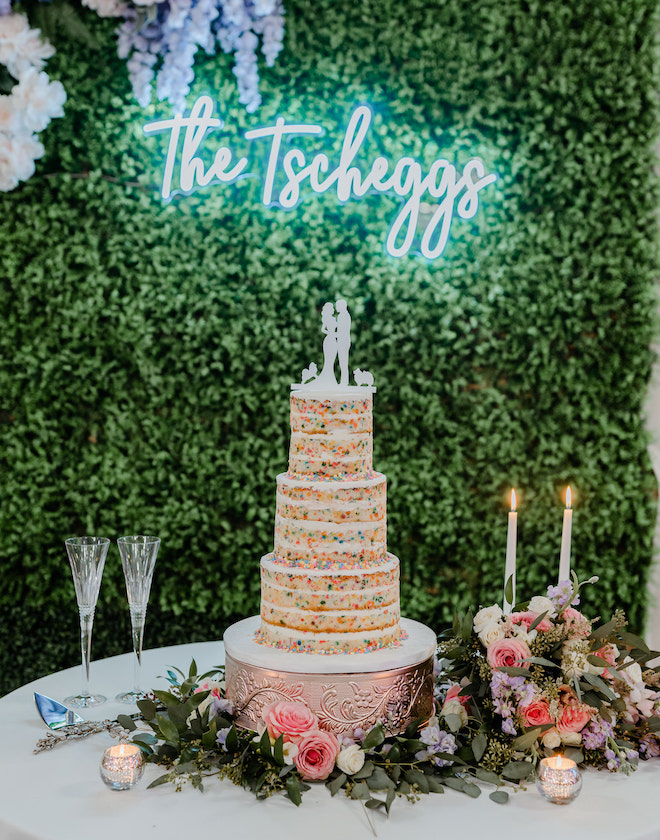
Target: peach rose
{"type": "Point", "coordinates": [508, 653]}
{"type": "Point", "coordinates": [537, 713]}
{"type": "Point", "coordinates": [317, 753]}
{"type": "Point", "coordinates": [528, 618]}
{"type": "Point", "coordinates": [573, 719]}
{"type": "Point", "coordinates": [288, 718]}
{"type": "Point", "coordinates": [580, 625]}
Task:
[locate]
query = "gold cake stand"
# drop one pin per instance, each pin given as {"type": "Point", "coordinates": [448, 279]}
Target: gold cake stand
{"type": "Point", "coordinates": [392, 686]}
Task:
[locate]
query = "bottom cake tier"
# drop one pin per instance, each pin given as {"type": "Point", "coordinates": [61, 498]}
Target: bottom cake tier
{"type": "Point", "coordinates": [392, 686]}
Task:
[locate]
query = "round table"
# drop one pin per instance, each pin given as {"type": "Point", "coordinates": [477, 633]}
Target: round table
{"type": "Point", "coordinates": [58, 795]}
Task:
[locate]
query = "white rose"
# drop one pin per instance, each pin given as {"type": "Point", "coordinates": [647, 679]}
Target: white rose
{"type": "Point", "coordinates": [351, 759]}
{"type": "Point", "coordinates": [551, 739]}
{"type": "Point", "coordinates": [540, 604]}
{"type": "Point", "coordinates": [632, 673]}
{"type": "Point", "coordinates": [491, 633]}
{"type": "Point", "coordinates": [522, 633]}
{"type": "Point", "coordinates": [571, 739]}
{"type": "Point", "coordinates": [455, 707]}
{"type": "Point", "coordinates": [487, 616]}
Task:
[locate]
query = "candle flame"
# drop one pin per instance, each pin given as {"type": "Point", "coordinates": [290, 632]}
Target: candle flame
{"type": "Point", "coordinates": [568, 496]}
{"type": "Point", "coordinates": [513, 499]}
{"type": "Point", "coordinates": [559, 762]}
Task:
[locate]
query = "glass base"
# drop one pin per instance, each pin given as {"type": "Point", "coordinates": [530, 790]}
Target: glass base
{"type": "Point", "coordinates": [130, 696]}
{"type": "Point", "coordinates": [81, 701]}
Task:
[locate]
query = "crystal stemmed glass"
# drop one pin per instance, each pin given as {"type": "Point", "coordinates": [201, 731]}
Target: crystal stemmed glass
{"type": "Point", "coordinates": [87, 558]}
{"type": "Point", "coordinates": [138, 558]}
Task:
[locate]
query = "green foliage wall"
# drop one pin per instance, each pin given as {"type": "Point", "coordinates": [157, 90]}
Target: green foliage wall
{"type": "Point", "coordinates": [147, 348]}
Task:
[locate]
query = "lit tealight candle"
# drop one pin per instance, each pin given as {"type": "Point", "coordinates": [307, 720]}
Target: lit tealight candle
{"type": "Point", "coordinates": [558, 779]}
{"type": "Point", "coordinates": [565, 552]}
{"type": "Point", "coordinates": [510, 564]}
{"type": "Point", "coordinates": [122, 766]}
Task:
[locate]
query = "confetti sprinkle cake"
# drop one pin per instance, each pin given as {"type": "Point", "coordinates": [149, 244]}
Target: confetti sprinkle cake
{"type": "Point", "coordinates": [330, 585]}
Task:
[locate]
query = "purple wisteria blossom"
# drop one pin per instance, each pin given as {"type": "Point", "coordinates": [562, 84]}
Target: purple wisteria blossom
{"type": "Point", "coordinates": [161, 47]}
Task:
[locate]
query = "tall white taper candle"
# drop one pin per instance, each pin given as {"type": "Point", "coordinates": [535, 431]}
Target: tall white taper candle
{"type": "Point", "coordinates": [565, 553]}
{"type": "Point", "coordinates": [510, 564]}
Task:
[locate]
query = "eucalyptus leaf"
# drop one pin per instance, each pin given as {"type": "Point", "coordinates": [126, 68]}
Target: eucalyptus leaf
{"type": "Point", "coordinates": [499, 796]}
{"type": "Point", "coordinates": [127, 722]}
{"type": "Point", "coordinates": [335, 785]}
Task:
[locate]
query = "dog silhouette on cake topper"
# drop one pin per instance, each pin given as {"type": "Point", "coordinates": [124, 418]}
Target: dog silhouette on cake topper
{"type": "Point", "coordinates": [336, 327]}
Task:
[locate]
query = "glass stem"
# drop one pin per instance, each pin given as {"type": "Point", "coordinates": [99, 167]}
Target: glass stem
{"type": "Point", "coordinates": [138, 616]}
{"type": "Point", "coordinates": [86, 622]}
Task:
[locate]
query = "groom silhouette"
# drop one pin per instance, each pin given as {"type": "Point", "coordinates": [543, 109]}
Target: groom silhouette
{"type": "Point", "coordinates": [343, 339]}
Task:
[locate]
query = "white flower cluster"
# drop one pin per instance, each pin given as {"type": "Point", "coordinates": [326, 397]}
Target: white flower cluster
{"type": "Point", "coordinates": [30, 105]}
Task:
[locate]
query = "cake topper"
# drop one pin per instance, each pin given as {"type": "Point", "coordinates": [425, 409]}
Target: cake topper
{"type": "Point", "coordinates": [336, 326]}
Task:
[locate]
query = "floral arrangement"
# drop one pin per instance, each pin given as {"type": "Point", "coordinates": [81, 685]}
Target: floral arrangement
{"type": "Point", "coordinates": [509, 690]}
{"type": "Point", "coordinates": [544, 679]}
{"type": "Point", "coordinates": [28, 99]}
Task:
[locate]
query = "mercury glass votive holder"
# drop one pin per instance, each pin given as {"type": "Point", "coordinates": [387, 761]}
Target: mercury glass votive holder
{"type": "Point", "coordinates": [122, 766]}
{"type": "Point", "coordinates": [558, 779]}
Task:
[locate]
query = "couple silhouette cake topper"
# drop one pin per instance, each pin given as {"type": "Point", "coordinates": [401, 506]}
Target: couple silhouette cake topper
{"type": "Point", "coordinates": [336, 326]}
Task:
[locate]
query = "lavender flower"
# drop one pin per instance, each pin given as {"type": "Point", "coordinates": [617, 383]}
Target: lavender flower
{"type": "Point", "coordinates": [562, 595]}
{"type": "Point", "coordinates": [596, 734]}
{"type": "Point", "coordinates": [437, 741]}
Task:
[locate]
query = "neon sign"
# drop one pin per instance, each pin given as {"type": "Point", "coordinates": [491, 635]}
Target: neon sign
{"type": "Point", "coordinates": [287, 172]}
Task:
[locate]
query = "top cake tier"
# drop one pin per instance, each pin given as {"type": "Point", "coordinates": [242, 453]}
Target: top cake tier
{"type": "Point", "coordinates": [331, 435]}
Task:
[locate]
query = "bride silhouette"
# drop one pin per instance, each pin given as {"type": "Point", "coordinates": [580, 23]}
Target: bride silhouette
{"type": "Point", "coordinates": [329, 327]}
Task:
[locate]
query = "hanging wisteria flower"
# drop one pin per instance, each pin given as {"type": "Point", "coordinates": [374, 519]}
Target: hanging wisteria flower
{"type": "Point", "coordinates": [161, 45]}
{"type": "Point", "coordinates": [32, 102]}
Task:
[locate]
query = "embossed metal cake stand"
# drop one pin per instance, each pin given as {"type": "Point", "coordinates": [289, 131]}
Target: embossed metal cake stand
{"type": "Point", "coordinates": [393, 686]}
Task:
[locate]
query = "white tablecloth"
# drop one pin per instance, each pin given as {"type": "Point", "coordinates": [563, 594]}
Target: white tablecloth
{"type": "Point", "coordinates": [58, 795]}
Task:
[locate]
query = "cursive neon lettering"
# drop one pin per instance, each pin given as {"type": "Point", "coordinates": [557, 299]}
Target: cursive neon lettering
{"type": "Point", "coordinates": [288, 169]}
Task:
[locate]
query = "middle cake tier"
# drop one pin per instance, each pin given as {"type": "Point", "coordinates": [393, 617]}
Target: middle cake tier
{"type": "Point", "coordinates": [331, 524]}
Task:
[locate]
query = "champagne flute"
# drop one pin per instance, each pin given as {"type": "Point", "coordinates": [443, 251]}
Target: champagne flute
{"type": "Point", "coordinates": [87, 558]}
{"type": "Point", "coordinates": [138, 558]}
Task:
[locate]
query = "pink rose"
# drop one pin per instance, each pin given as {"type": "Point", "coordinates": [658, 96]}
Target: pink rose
{"type": "Point", "coordinates": [317, 753]}
{"type": "Point", "coordinates": [288, 718]}
{"type": "Point", "coordinates": [537, 713]}
{"type": "Point", "coordinates": [580, 625]}
{"type": "Point", "coordinates": [528, 618]}
{"type": "Point", "coordinates": [573, 719]}
{"type": "Point", "coordinates": [452, 694]}
{"type": "Point", "coordinates": [508, 653]}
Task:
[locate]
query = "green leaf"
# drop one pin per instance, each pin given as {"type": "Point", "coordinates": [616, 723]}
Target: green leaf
{"type": "Point", "coordinates": [292, 787]}
{"type": "Point", "coordinates": [366, 770]}
{"type": "Point", "coordinates": [167, 698]}
{"type": "Point", "coordinates": [278, 751]}
{"type": "Point", "coordinates": [592, 659]}
{"type": "Point", "coordinates": [379, 780]}
{"type": "Point", "coordinates": [145, 738]}
{"type": "Point", "coordinates": [525, 741]}
{"type": "Point", "coordinates": [147, 709]}
{"type": "Point", "coordinates": [160, 780]}
{"type": "Point", "coordinates": [231, 742]}
{"type": "Point", "coordinates": [389, 799]}
{"type": "Point", "coordinates": [374, 738]}
{"type": "Point", "coordinates": [537, 621]}
{"type": "Point", "coordinates": [508, 590]}
{"type": "Point", "coordinates": [374, 803]}
{"type": "Point", "coordinates": [335, 785]}
{"type": "Point", "coordinates": [604, 630]}
{"type": "Point", "coordinates": [417, 778]}
{"type": "Point", "coordinates": [517, 770]}
{"type": "Point", "coordinates": [633, 641]}
{"type": "Point", "coordinates": [360, 791]}
{"type": "Point", "coordinates": [539, 660]}
{"type": "Point", "coordinates": [479, 745]}
{"type": "Point", "coordinates": [265, 748]}
{"type": "Point", "coordinates": [499, 796]}
{"type": "Point", "coordinates": [127, 722]}
{"type": "Point", "coordinates": [168, 729]}
{"type": "Point", "coordinates": [435, 785]}
{"type": "Point", "coordinates": [487, 776]}
{"type": "Point", "coordinates": [600, 684]}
